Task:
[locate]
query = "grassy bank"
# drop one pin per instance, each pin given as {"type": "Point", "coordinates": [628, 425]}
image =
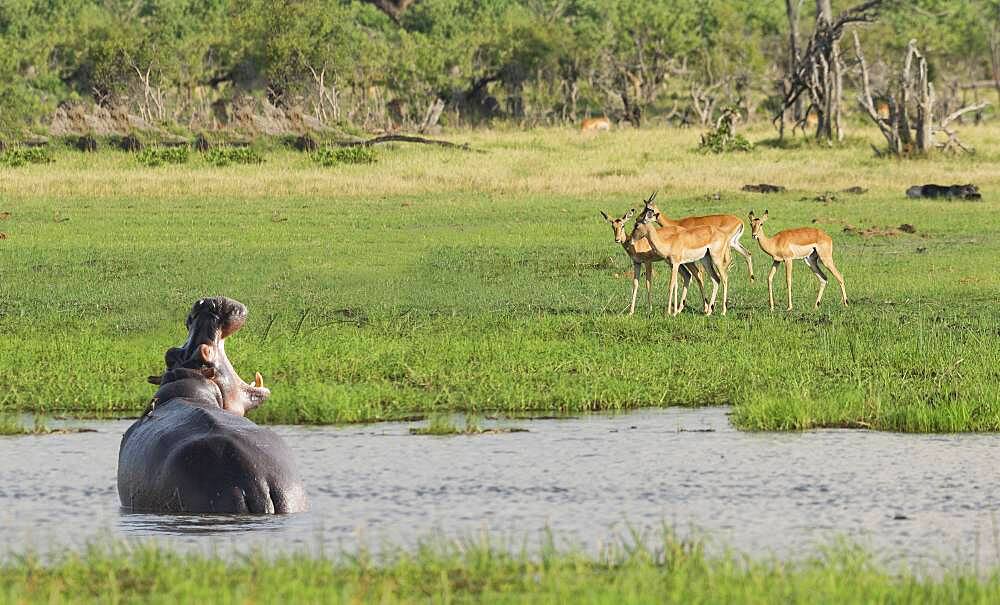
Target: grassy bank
{"type": "Point", "coordinates": [672, 572]}
{"type": "Point", "coordinates": [437, 280]}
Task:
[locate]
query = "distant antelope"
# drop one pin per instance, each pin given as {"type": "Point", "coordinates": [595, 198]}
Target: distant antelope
{"type": "Point", "coordinates": [595, 124]}
{"type": "Point", "coordinates": [811, 245]}
{"type": "Point", "coordinates": [643, 256]}
{"type": "Point", "coordinates": [681, 246]}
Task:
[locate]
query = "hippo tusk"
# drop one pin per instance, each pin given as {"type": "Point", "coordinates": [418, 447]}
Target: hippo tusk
{"type": "Point", "coordinates": [258, 380]}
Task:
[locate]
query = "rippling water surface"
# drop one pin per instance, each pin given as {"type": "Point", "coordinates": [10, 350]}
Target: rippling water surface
{"type": "Point", "coordinates": [925, 497]}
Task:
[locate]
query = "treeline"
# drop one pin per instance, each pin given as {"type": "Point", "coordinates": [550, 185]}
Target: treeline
{"type": "Point", "coordinates": [273, 66]}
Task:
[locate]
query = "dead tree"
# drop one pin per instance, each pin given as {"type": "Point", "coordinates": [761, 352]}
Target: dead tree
{"type": "Point", "coordinates": [818, 71]}
{"type": "Point", "coordinates": [792, 10]}
{"type": "Point", "coordinates": [908, 135]}
{"type": "Point", "coordinates": [326, 96]}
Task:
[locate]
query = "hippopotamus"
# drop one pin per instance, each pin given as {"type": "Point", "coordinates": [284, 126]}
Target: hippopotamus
{"type": "Point", "coordinates": [193, 450]}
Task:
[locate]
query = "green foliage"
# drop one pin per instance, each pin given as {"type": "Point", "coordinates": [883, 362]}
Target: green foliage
{"type": "Point", "coordinates": [158, 156]}
{"type": "Point", "coordinates": [441, 425]}
{"type": "Point", "coordinates": [12, 426]}
{"type": "Point", "coordinates": [332, 156]}
{"type": "Point", "coordinates": [722, 139]}
{"type": "Point", "coordinates": [524, 60]}
{"type": "Point", "coordinates": [19, 156]}
{"type": "Point", "coordinates": [224, 156]}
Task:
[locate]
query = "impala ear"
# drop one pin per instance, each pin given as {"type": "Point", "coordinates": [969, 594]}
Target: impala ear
{"type": "Point", "coordinates": [750, 215]}
{"type": "Point", "coordinates": [628, 214]}
{"type": "Point", "coordinates": [605, 215]}
{"type": "Point", "coordinates": [764, 218]}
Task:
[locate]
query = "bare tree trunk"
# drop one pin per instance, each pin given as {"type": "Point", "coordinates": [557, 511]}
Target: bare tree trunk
{"type": "Point", "coordinates": [925, 106]}
{"type": "Point", "coordinates": [433, 115]}
{"type": "Point", "coordinates": [995, 52]}
{"type": "Point", "coordinates": [792, 9]}
{"type": "Point", "coordinates": [829, 119]}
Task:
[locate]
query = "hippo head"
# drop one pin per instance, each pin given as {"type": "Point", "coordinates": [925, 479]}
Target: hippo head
{"type": "Point", "coordinates": [209, 323]}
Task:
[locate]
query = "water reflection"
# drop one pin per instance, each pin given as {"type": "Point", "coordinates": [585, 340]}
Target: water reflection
{"type": "Point", "coordinates": [145, 524]}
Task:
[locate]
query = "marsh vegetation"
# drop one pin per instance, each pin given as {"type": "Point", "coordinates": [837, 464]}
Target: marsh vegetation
{"type": "Point", "coordinates": [663, 570]}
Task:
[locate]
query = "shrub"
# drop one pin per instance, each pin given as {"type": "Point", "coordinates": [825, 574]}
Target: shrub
{"type": "Point", "coordinates": [722, 139]}
{"type": "Point", "coordinates": [224, 156]}
{"type": "Point", "coordinates": [86, 143]}
{"type": "Point", "coordinates": [19, 156]}
{"type": "Point", "coordinates": [331, 156]}
{"type": "Point", "coordinates": [157, 156]}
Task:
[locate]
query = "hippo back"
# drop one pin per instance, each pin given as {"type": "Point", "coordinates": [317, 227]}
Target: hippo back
{"type": "Point", "coordinates": [188, 457]}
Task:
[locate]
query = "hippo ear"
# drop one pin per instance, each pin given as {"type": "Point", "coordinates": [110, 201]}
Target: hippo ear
{"type": "Point", "coordinates": [207, 353]}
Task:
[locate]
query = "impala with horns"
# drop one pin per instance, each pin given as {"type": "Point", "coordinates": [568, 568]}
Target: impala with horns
{"type": "Point", "coordinates": [643, 256]}
{"type": "Point", "coordinates": [680, 246]}
{"type": "Point", "coordinates": [731, 226]}
{"type": "Point", "coordinates": [810, 244]}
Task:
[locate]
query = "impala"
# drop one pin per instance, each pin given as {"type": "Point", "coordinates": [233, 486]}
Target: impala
{"type": "Point", "coordinates": [811, 245]}
{"type": "Point", "coordinates": [728, 224]}
{"type": "Point", "coordinates": [641, 255]}
{"type": "Point", "coordinates": [595, 124]}
{"type": "Point", "coordinates": [680, 246]}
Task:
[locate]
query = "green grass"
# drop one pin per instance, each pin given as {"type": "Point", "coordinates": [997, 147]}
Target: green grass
{"type": "Point", "coordinates": [668, 571]}
{"type": "Point", "coordinates": [441, 425]}
{"type": "Point", "coordinates": [10, 426]}
{"type": "Point", "coordinates": [438, 281]}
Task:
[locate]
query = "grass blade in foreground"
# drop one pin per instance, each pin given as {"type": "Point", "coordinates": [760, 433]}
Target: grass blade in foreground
{"type": "Point", "coordinates": [667, 572]}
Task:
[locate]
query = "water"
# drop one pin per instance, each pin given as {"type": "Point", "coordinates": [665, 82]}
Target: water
{"type": "Point", "coordinates": [907, 497]}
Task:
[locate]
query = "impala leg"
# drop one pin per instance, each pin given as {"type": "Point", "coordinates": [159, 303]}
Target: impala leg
{"type": "Point", "coordinates": [685, 273]}
{"type": "Point", "coordinates": [813, 261]}
{"type": "Point", "coordinates": [699, 275]}
{"type": "Point", "coordinates": [673, 288]}
{"type": "Point", "coordinates": [788, 282]}
{"type": "Point", "coordinates": [736, 245]}
{"type": "Point", "coordinates": [649, 284]}
{"type": "Point", "coordinates": [709, 264]}
{"type": "Point", "coordinates": [724, 274]}
{"type": "Point", "coordinates": [770, 283]}
{"type": "Point", "coordinates": [636, 267]}
{"type": "Point", "coordinates": [826, 257]}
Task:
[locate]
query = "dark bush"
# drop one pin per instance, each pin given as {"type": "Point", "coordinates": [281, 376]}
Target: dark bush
{"type": "Point", "coordinates": [305, 142]}
{"type": "Point", "coordinates": [86, 143]}
{"type": "Point", "coordinates": [201, 142]}
{"type": "Point", "coordinates": [129, 142]}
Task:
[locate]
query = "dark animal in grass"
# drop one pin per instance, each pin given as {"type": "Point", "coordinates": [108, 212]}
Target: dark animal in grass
{"type": "Point", "coordinates": [86, 143]}
{"type": "Point", "coordinates": [965, 192]}
{"type": "Point", "coordinates": [129, 142]}
{"type": "Point", "coordinates": [763, 188]}
{"type": "Point", "coordinates": [201, 143]}
{"type": "Point", "coordinates": [305, 143]}
{"type": "Point", "coordinates": [193, 451]}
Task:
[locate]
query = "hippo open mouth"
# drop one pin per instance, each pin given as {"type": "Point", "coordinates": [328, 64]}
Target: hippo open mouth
{"type": "Point", "coordinates": [209, 323]}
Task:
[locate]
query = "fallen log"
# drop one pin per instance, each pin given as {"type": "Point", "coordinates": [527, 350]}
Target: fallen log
{"type": "Point", "coordinates": [405, 138]}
